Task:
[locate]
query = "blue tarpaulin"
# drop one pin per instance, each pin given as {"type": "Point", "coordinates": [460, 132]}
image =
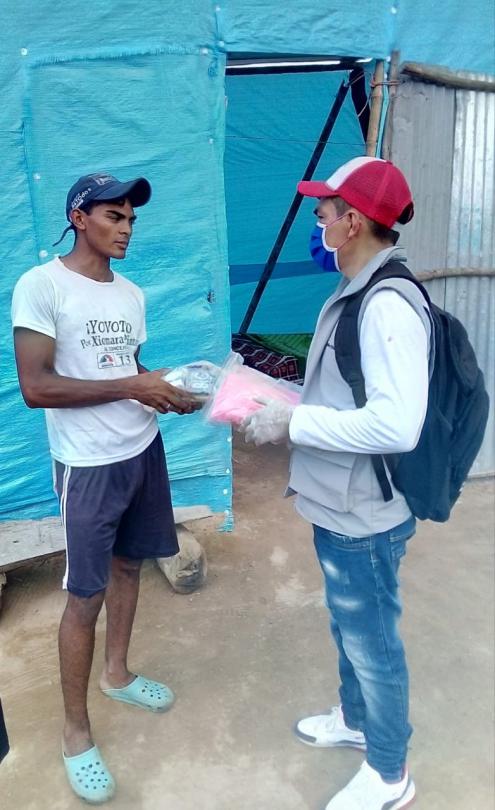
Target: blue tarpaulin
{"type": "Point", "coordinates": [140, 90]}
{"type": "Point", "coordinates": [272, 124]}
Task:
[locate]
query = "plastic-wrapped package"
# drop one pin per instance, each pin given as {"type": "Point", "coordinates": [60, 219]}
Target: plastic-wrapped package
{"type": "Point", "coordinates": [197, 379]}
{"type": "Point", "coordinates": [239, 388]}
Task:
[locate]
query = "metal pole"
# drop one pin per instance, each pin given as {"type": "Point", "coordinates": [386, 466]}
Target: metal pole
{"type": "Point", "coordinates": [294, 208]}
{"type": "Point", "coordinates": [359, 95]}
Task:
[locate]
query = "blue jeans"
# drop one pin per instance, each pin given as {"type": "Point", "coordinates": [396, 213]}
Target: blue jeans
{"type": "Point", "coordinates": [362, 592]}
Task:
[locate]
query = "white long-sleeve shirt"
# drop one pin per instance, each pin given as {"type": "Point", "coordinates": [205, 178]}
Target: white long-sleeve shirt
{"type": "Point", "coordinates": [394, 361]}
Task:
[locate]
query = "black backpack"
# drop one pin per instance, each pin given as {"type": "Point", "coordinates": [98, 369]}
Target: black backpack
{"type": "Point", "coordinates": [431, 476]}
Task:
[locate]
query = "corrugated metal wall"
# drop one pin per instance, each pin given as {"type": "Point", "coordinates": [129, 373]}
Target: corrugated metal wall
{"type": "Point", "coordinates": [471, 231]}
{"type": "Point", "coordinates": [443, 140]}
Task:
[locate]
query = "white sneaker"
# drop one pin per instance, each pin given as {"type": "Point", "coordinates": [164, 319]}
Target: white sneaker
{"type": "Point", "coordinates": [329, 731]}
{"type": "Point", "coordinates": [368, 791]}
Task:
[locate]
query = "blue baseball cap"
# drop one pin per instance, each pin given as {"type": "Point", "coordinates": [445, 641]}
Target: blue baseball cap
{"type": "Point", "coordinates": [99, 187]}
{"type": "Point", "coordinates": [94, 187]}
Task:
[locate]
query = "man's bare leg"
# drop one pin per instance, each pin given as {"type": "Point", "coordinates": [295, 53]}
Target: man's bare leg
{"type": "Point", "coordinates": [120, 601]}
{"type": "Point", "coordinates": [76, 648]}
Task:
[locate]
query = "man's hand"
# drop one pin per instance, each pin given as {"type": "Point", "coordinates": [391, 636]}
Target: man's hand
{"type": "Point", "coordinates": [150, 389]}
{"type": "Point", "coordinates": [42, 387]}
{"type": "Point", "coordinates": [269, 424]}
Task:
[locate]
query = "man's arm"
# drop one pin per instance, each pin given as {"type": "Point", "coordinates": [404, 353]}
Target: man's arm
{"type": "Point", "coordinates": [42, 387]}
{"type": "Point", "coordinates": [394, 359]}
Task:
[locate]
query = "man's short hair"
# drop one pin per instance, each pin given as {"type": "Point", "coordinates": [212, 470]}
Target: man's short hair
{"type": "Point", "coordinates": [88, 208]}
{"type": "Point", "coordinates": [379, 231]}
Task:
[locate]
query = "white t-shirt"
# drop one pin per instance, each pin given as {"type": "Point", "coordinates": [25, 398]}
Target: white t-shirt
{"type": "Point", "coordinates": [98, 327]}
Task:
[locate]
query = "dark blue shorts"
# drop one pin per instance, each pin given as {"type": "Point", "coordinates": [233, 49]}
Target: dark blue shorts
{"type": "Point", "coordinates": [122, 509]}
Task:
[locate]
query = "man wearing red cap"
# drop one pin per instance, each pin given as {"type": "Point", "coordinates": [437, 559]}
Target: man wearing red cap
{"type": "Point", "coordinates": [360, 536]}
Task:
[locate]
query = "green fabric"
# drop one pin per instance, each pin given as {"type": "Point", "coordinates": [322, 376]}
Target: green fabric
{"type": "Point", "coordinates": [295, 345]}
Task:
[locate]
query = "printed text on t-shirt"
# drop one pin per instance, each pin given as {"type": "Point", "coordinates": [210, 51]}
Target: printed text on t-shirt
{"type": "Point", "coordinates": [108, 333]}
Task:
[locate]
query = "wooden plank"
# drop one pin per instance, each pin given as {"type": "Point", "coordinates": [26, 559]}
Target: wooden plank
{"type": "Point", "coordinates": [24, 541]}
{"type": "Point", "coordinates": [183, 514]}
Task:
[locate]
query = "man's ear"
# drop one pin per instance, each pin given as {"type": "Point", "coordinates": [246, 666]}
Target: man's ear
{"type": "Point", "coordinates": [356, 222]}
{"type": "Point", "coordinates": [78, 219]}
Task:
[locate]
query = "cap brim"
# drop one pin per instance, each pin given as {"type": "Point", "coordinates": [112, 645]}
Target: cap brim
{"type": "Point", "coordinates": [315, 188]}
{"type": "Point", "coordinates": [138, 192]}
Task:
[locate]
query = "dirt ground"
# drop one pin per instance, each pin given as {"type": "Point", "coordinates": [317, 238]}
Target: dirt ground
{"type": "Point", "coordinates": [247, 656]}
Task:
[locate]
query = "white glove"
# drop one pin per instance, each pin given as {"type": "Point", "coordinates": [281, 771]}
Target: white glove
{"type": "Point", "coordinates": [269, 424]}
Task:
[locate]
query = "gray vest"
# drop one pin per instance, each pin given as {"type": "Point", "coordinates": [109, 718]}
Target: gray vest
{"type": "Point", "coordinates": [339, 490]}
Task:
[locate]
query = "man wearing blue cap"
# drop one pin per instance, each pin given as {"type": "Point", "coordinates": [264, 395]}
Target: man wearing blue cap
{"type": "Point", "coordinates": [78, 329]}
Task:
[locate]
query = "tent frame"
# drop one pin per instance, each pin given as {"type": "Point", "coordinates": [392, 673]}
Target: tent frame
{"type": "Point", "coordinates": [356, 82]}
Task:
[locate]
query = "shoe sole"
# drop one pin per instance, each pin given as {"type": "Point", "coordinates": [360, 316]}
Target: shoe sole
{"type": "Point", "coordinates": [406, 800]}
{"type": "Point", "coordinates": [310, 741]}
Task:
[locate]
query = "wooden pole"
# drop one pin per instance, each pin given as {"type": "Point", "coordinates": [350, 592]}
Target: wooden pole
{"type": "Point", "coordinates": [375, 109]}
{"type": "Point", "coordinates": [388, 132]}
{"type": "Point", "coordinates": [447, 78]}
{"type": "Point", "coordinates": [455, 272]}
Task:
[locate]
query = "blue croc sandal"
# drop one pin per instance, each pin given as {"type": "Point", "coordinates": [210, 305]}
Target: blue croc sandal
{"type": "Point", "coordinates": [151, 695]}
{"type": "Point", "coordinates": [89, 777]}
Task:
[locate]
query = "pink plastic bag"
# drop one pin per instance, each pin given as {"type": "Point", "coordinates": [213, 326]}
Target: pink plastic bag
{"type": "Point", "coordinates": [239, 387]}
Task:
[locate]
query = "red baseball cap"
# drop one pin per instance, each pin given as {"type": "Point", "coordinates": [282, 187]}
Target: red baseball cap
{"type": "Point", "coordinates": [376, 187]}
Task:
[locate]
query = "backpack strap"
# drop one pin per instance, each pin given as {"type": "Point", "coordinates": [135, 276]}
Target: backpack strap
{"type": "Point", "coordinates": [348, 351]}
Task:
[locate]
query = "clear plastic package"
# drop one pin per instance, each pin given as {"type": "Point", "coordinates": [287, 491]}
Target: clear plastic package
{"type": "Point", "coordinates": [238, 389]}
{"type": "Point", "coordinates": [197, 379]}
